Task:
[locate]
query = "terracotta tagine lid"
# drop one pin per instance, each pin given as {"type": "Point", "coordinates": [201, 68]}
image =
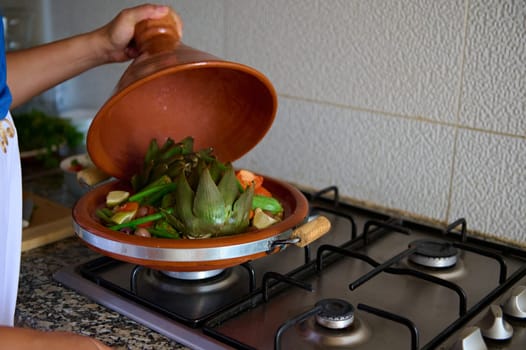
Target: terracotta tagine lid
{"type": "Point", "coordinates": [173, 90]}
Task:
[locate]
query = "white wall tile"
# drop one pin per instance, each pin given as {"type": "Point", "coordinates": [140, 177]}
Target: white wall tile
{"type": "Point", "coordinates": [489, 184]}
{"type": "Point", "coordinates": [401, 57]}
{"type": "Point", "coordinates": [393, 162]}
{"type": "Point", "coordinates": [494, 91]}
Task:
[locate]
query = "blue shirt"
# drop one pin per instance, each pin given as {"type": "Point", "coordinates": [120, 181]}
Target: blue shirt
{"type": "Point", "coordinates": [5, 94]}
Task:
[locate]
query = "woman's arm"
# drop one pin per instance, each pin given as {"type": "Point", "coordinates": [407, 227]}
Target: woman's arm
{"type": "Point", "coordinates": [34, 70]}
{"type": "Point", "coordinates": [29, 339]}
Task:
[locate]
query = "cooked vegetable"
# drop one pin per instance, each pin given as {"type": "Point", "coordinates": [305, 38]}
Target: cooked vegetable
{"type": "Point", "coordinates": [262, 191]}
{"type": "Point", "coordinates": [262, 220]}
{"type": "Point", "coordinates": [128, 206]}
{"type": "Point", "coordinates": [168, 160]}
{"type": "Point", "coordinates": [269, 204]}
{"type": "Point", "coordinates": [136, 222]}
{"type": "Point", "coordinates": [182, 193]}
{"type": "Point", "coordinates": [142, 232]}
{"type": "Point", "coordinates": [164, 229]}
{"type": "Point", "coordinates": [114, 198]}
{"type": "Point", "coordinates": [153, 193]}
{"type": "Point", "coordinates": [247, 178]}
{"type": "Point", "coordinates": [125, 212]}
{"type": "Point", "coordinates": [105, 214]}
{"type": "Point", "coordinates": [75, 166]}
{"type": "Point", "coordinates": [145, 210]}
{"type": "Point", "coordinates": [123, 217]}
{"type": "Point", "coordinates": [212, 209]}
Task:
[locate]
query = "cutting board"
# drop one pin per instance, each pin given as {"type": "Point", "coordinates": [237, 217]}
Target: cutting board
{"type": "Point", "coordinates": [50, 222]}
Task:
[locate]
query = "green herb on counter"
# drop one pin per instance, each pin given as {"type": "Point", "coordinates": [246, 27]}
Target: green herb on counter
{"type": "Point", "coordinates": [38, 130]}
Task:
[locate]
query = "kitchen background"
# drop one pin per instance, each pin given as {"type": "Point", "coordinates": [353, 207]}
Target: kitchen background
{"type": "Point", "coordinates": [416, 107]}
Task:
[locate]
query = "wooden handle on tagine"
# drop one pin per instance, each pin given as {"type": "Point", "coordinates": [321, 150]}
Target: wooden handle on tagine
{"type": "Point", "coordinates": [311, 231]}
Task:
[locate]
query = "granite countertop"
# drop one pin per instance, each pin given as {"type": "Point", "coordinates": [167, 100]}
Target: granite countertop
{"type": "Point", "coordinates": [45, 304]}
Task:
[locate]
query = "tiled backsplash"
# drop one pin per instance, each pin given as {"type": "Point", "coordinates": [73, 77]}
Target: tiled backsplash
{"type": "Point", "coordinates": [416, 106]}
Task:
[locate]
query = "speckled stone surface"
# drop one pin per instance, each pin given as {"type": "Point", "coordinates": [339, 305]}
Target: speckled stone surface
{"type": "Point", "coordinates": [45, 304]}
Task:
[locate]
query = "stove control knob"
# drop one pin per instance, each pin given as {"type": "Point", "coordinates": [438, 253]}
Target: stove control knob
{"type": "Point", "coordinates": [470, 339]}
{"type": "Point", "coordinates": [494, 326]}
{"type": "Point", "coordinates": [515, 306]}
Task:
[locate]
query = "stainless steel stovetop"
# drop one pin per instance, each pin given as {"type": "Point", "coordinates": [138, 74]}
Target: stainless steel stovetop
{"type": "Point", "coordinates": [373, 282]}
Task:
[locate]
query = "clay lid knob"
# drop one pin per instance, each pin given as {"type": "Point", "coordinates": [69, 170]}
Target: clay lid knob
{"type": "Point", "coordinates": [157, 35]}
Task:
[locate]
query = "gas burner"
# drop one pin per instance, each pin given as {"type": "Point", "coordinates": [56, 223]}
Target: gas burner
{"type": "Point", "coordinates": [335, 326]}
{"type": "Point", "coordinates": [160, 280]}
{"type": "Point", "coordinates": [335, 313]}
{"type": "Point", "coordinates": [434, 254]}
{"type": "Point", "coordinates": [192, 275]}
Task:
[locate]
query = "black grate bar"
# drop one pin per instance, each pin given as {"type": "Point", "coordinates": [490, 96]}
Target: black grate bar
{"type": "Point", "coordinates": [291, 322]}
{"type": "Point", "coordinates": [307, 257]}
{"type": "Point", "coordinates": [381, 267]}
{"type": "Point", "coordinates": [268, 276]}
{"type": "Point", "coordinates": [251, 275]}
{"type": "Point", "coordinates": [463, 228]}
{"type": "Point", "coordinates": [334, 189]}
{"type": "Point", "coordinates": [503, 268]}
{"type": "Point", "coordinates": [402, 320]}
{"type": "Point", "coordinates": [339, 214]}
{"type": "Point", "coordinates": [341, 251]}
{"type": "Point", "coordinates": [383, 224]}
{"type": "Point", "coordinates": [430, 278]}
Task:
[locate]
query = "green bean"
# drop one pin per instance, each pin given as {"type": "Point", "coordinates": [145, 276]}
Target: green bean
{"type": "Point", "coordinates": [136, 222]}
{"type": "Point", "coordinates": [163, 233]}
{"type": "Point", "coordinates": [165, 188]}
{"type": "Point", "coordinates": [103, 215]}
{"type": "Point", "coordinates": [156, 197]}
{"type": "Point", "coordinates": [152, 152]}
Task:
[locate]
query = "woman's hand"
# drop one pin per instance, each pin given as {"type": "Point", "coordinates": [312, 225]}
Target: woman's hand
{"type": "Point", "coordinates": [30, 339]}
{"type": "Point", "coordinates": [117, 35]}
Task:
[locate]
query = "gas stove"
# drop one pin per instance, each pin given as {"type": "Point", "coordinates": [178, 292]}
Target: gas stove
{"type": "Point", "coordinates": [375, 281]}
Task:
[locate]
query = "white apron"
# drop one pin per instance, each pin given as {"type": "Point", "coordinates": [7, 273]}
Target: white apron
{"type": "Point", "coordinates": [10, 219]}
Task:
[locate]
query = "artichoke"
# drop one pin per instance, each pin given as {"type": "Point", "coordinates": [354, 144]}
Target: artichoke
{"type": "Point", "coordinates": [217, 206]}
{"type": "Point", "coordinates": [200, 196]}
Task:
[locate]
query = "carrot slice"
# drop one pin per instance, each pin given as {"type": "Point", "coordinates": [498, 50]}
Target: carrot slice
{"type": "Point", "coordinates": [262, 191]}
{"type": "Point", "coordinates": [128, 206]}
{"type": "Point", "coordinates": [247, 178]}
